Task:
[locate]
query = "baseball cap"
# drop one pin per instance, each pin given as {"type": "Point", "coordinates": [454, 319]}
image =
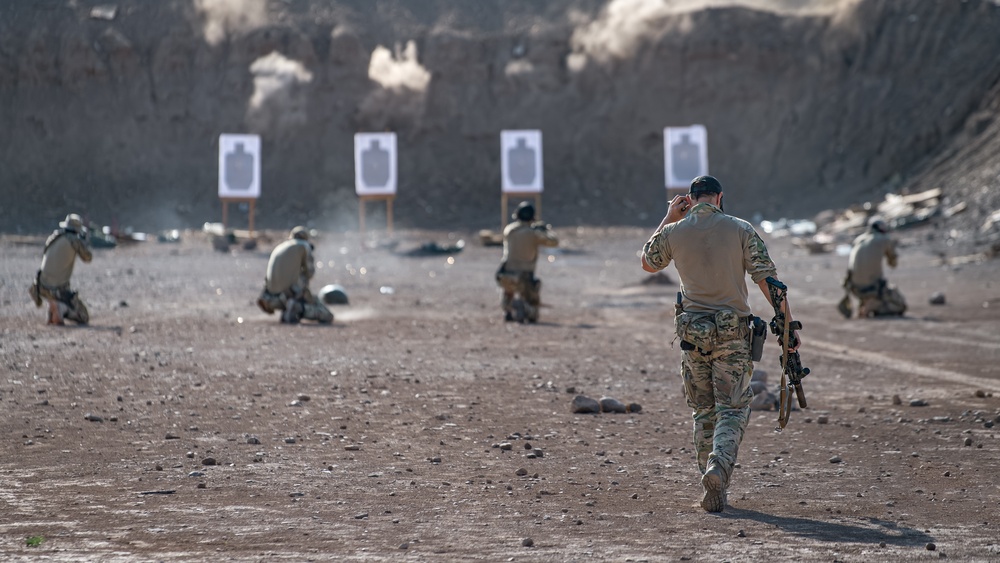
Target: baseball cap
{"type": "Point", "coordinates": [705, 185]}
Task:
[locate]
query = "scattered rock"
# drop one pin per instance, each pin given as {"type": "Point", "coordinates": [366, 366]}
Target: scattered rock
{"type": "Point", "coordinates": [289, 440]}
{"type": "Point", "coordinates": [506, 446]}
{"type": "Point", "coordinates": [610, 404]}
{"type": "Point", "coordinates": [201, 485]}
{"type": "Point", "coordinates": [353, 448]}
{"type": "Point", "coordinates": [741, 534]}
{"type": "Point", "coordinates": [93, 417]}
{"type": "Point", "coordinates": [196, 474]}
{"type": "Point", "coordinates": [251, 439]}
{"type": "Point", "coordinates": [835, 459]}
{"type": "Point", "coordinates": [527, 542]}
{"type": "Point", "coordinates": [404, 545]}
{"type": "Point", "coordinates": [968, 442]}
{"type": "Point", "coordinates": [918, 403]}
{"type": "Point", "coordinates": [930, 546]}
{"type": "Point", "coordinates": [170, 436]}
{"type": "Point", "coordinates": [822, 419]}
{"type": "Point", "coordinates": [521, 472]}
{"type": "Point", "coordinates": [896, 400]}
{"type": "Point", "coordinates": [361, 516]}
{"type": "Point", "coordinates": [303, 397]}
{"type": "Point", "coordinates": [937, 298]}
{"type": "Point", "coordinates": [980, 394]}
{"type": "Point", "coordinates": [209, 461]}
{"type": "Point", "coordinates": [585, 405]}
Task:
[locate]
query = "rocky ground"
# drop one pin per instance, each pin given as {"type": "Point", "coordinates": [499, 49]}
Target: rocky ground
{"type": "Point", "coordinates": [184, 424]}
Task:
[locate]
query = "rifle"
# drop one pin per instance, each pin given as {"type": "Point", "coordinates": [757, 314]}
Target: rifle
{"type": "Point", "coordinates": [783, 326]}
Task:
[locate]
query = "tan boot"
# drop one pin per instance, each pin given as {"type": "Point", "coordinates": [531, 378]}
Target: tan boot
{"type": "Point", "coordinates": [55, 318]}
{"type": "Point", "coordinates": [714, 499]}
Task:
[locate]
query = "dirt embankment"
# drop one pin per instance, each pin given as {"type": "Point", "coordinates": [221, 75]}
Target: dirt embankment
{"type": "Point", "coordinates": [806, 108]}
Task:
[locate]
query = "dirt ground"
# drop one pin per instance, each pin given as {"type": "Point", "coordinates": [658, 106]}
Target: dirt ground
{"type": "Point", "coordinates": [379, 437]}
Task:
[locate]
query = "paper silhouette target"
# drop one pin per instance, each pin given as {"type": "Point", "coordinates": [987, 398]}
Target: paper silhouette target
{"type": "Point", "coordinates": [375, 163]}
{"type": "Point", "coordinates": [521, 161]}
{"type": "Point", "coordinates": [239, 166]}
{"type": "Point", "coordinates": [685, 151]}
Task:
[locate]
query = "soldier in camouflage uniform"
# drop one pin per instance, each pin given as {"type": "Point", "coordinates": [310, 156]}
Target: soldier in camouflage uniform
{"type": "Point", "coordinates": [286, 286]}
{"type": "Point", "coordinates": [521, 240]}
{"type": "Point", "coordinates": [713, 252]}
{"type": "Point", "coordinates": [52, 280]}
{"type": "Point", "coordinates": [865, 280]}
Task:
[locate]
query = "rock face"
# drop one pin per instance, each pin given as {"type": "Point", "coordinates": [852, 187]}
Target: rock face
{"type": "Point", "coordinates": [119, 118]}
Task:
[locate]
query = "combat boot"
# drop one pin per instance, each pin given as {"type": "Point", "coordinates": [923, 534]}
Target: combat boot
{"type": "Point", "coordinates": [714, 483]}
{"type": "Point", "coordinates": [293, 312]}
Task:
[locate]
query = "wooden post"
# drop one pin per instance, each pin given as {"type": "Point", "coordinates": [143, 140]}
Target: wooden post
{"type": "Point", "coordinates": [505, 218]}
{"type": "Point", "coordinates": [389, 198]}
{"type": "Point", "coordinates": [225, 210]}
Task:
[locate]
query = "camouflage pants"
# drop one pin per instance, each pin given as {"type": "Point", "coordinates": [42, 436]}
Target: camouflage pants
{"type": "Point", "coordinates": [524, 283]}
{"type": "Point", "coordinates": [297, 303]}
{"type": "Point", "coordinates": [64, 303]}
{"type": "Point", "coordinates": [879, 300]}
{"type": "Point", "coordinates": [717, 388]}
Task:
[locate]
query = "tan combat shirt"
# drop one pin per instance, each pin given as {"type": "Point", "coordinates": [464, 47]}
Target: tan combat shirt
{"type": "Point", "coordinates": [61, 250]}
{"type": "Point", "coordinates": [713, 252]}
{"type": "Point", "coordinates": [520, 245]}
{"type": "Point", "coordinates": [865, 262]}
{"type": "Point", "coordinates": [289, 261]}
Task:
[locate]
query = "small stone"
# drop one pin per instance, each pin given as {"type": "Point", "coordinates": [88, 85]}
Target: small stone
{"type": "Point", "coordinates": [303, 397]}
{"type": "Point", "coordinates": [170, 436]}
{"type": "Point", "coordinates": [918, 403]}
{"type": "Point", "coordinates": [521, 472]}
{"type": "Point", "coordinates": [527, 542]}
{"type": "Point", "coordinates": [822, 419]}
{"type": "Point", "coordinates": [93, 417]}
{"type": "Point", "coordinates": [968, 441]}
{"type": "Point", "coordinates": [506, 446]}
{"type": "Point", "coordinates": [436, 459]}
{"type": "Point", "coordinates": [158, 467]}
{"type": "Point", "coordinates": [361, 516]}
{"type": "Point", "coordinates": [296, 494]}
{"type": "Point", "coordinates": [289, 440]}
{"type": "Point", "coordinates": [295, 403]}
{"type": "Point", "coordinates": [930, 546]}
{"type": "Point", "coordinates": [937, 298]}
{"type": "Point", "coordinates": [988, 424]}
{"type": "Point", "coordinates": [196, 474]}
{"type": "Point", "coordinates": [253, 440]}
{"type": "Point", "coordinates": [585, 405]}
{"type": "Point", "coordinates": [881, 544]}
{"type": "Point", "coordinates": [980, 393]}
{"type": "Point", "coordinates": [527, 445]}
{"type": "Point", "coordinates": [571, 390]}
{"type": "Point", "coordinates": [209, 461]}
{"type": "Point", "coordinates": [741, 534]}
{"type": "Point", "coordinates": [633, 408]}
{"type": "Point", "coordinates": [404, 545]}
{"type": "Point", "coordinates": [353, 448]}
{"type": "Point", "coordinates": [201, 485]}
{"type": "Point", "coordinates": [610, 404]}
{"type": "Point", "coordinates": [835, 459]}
{"type": "Point", "coordinates": [635, 496]}
{"type": "Point", "coordinates": [896, 400]}
{"type": "Point", "coordinates": [189, 455]}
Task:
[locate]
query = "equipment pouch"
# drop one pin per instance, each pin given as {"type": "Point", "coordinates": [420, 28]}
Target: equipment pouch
{"type": "Point", "coordinates": [729, 326]}
{"type": "Point", "coordinates": [697, 329]}
{"type": "Point", "coordinates": [758, 333]}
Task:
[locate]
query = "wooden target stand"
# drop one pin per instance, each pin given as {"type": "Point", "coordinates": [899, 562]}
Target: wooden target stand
{"type": "Point", "coordinates": [363, 199]}
{"type": "Point", "coordinates": [505, 196]}
{"type": "Point", "coordinates": [225, 209]}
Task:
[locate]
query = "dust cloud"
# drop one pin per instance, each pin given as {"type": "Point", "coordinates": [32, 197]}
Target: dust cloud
{"type": "Point", "coordinates": [398, 72]}
{"type": "Point", "coordinates": [625, 25]}
{"type": "Point", "coordinates": [224, 17]}
{"type": "Point", "coordinates": [279, 99]}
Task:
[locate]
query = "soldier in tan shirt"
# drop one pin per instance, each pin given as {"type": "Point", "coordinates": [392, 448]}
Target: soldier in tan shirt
{"type": "Point", "coordinates": [713, 253]}
{"type": "Point", "coordinates": [516, 275]}
{"type": "Point", "coordinates": [52, 280]}
{"type": "Point", "coordinates": [286, 285]}
{"type": "Point", "coordinates": [865, 279]}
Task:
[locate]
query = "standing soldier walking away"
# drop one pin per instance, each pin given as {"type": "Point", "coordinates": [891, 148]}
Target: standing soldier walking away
{"type": "Point", "coordinates": [516, 274]}
{"type": "Point", "coordinates": [713, 252]}
{"type": "Point", "coordinates": [864, 278]}
{"type": "Point", "coordinates": [286, 287]}
{"type": "Point", "coordinates": [52, 280]}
